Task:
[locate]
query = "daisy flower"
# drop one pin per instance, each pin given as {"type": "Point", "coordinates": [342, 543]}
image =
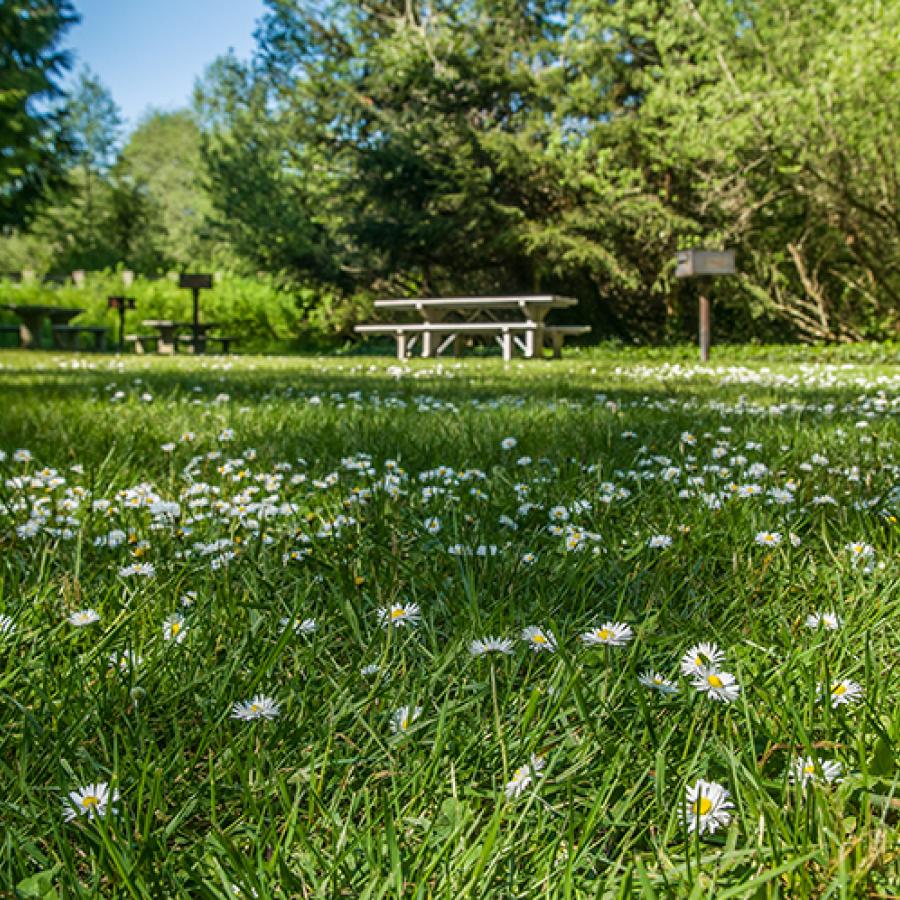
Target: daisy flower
{"type": "Point", "coordinates": [656, 682]}
{"type": "Point", "coordinates": [508, 443]}
{"type": "Point", "coordinates": [659, 542]}
{"type": "Point", "coordinates": [827, 620]}
{"type": "Point", "coordinates": [481, 646]}
{"type": "Point", "coordinates": [92, 800]}
{"type": "Point", "coordinates": [124, 660]}
{"type": "Point", "coordinates": [399, 614]}
{"type": "Point", "coordinates": [706, 808]}
{"type": "Point", "coordinates": [768, 538]}
{"type": "Point", "coordinates": [528, 558]}
{"type": "Point", "coordinates": [805, 769]}
{"type": "Point", "coordinates": [299, 626]}
{"type": "Point", "coordinates": [701, 658]}
{"type": "Point", "coordinates": [260, 707]}
{"type": "Point", "coordinates": [721, 686]}
{"type": "Point", "coordinates": [174, 628]}
{"type": "Point", "coordinates": [82, 617]}
{"type": "Point", "coordinates": [370, 669]}
{"type": "Point", "coordinates": [432, 524]}
{"type": "Point", "coordinates": [524, 777]}
{"type": "Point", "coordinates": [611, 634]}
{"type": "Point", "coordinates": [843, 693]}
{"type": "Point", "coordinates": [538, 639]}
{"type": "Point", "coordinates": [7, 625]}
{"type": "Point", "coordinates": [402, 718]}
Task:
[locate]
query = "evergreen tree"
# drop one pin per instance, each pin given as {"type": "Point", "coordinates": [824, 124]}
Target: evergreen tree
{"type": "Point", "coordinates": [33, 146]}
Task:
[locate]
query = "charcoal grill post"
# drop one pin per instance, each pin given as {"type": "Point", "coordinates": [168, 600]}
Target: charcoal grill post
{"type": "Point", "coordinates": [196, 283]}
{"type": "Point", "coordinates": [122, 304]}
{"type": "Point", "coordinates": [691, 263]}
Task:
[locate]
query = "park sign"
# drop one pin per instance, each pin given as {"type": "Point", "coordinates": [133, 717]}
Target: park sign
{"type": "Point", "coordinates": [704, 262]}
{"type": "Point", "coordinates": [195, 282]}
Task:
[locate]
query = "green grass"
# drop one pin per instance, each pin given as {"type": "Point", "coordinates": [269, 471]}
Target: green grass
{"type": "Point", "coordinates": [325, 800]}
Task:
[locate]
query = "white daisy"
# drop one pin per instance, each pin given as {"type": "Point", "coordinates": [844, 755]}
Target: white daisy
{"type": "Point", "coordinates": [538, 639]}
{"type": "Point", "coordinates": [611, 634]}
{"type": "Point", "coordinates": [432, 524]}
{"type": "Point", "coordinates": [84, 617]}
{"type": "Point", "coordinates": [706, 808]}
{"type": "Point", "coordinates": [524, 777]}
{"type": "Point", "coordinates": [174, 628]}
{"type": "Point", "coordinates": [843, 693]}
{"type": "Point", "coordinates": [805, 769]}
{"type": "Point", "coordinates": [508, 443]}
{"type": "Point", "coordinates": [480, 646]}
{"type": "Point", "coordinates": [299, 626]}
{"type": "Point", "coordinates": [260, 707]}
{"type": "Point", "coordinates": [721, 686]}
{"type": "Point", "coordinates": [124, 660]}
{"type": "Point", "coordinates": [657, 682]}
{"type": "Point", "coordinates": [402, 718]}
{"type": "Point", "coordinates": [827, 620]}
{"type": "Point", "coordinates": [768, 538]}
{"type": "Point", "coordinates": [659, 542]}
{"type": "Point", "coordinates": [399, 614]}
{"type": "Point", "coordinates": [701, 658]}
{"type": "Point", "coordinates": [92, 801]}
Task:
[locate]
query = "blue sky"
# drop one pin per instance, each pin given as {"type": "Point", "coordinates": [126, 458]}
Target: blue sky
{"type": "Point", "coordinates": [149, 52]}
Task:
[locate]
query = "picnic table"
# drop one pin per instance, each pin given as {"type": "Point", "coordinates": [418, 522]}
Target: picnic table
{"type": "Point", "coordinates": [517, 321]}
{"type": "Point", "coordinates": [172, 333]}
{"type": "Point", "coordinates": [32, 318]}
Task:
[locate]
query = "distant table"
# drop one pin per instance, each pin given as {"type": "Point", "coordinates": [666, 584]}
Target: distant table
{"type": "Point", "coordinates": [170, 334]}
{"type": "Point", "coordinates": [33, 317]}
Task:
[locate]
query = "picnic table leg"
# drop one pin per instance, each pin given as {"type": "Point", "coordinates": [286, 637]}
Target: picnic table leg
{"type": "Point", "coordinates": [457, 345]}
{"type": "Point", "coordinates": [506, 342]}
{"type": "Point", "coordinates": [557, 345]}
{"type": "Point", "coordinates": [401, 345]}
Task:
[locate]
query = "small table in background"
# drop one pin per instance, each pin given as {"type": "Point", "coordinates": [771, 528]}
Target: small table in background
{"type": "Point", "coordinates": [32, 319]}
{"type": "Point", "coordinates": [168, 334]}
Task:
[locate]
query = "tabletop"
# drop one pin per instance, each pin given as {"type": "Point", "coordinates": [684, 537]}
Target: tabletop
{"type": "Point", "coordinates": [37, 310]}
{"type": "Point", "coordinates": [551, 301]}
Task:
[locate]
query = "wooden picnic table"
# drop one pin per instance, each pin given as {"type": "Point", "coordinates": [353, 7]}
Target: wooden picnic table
{"type": "Point", "coordinates": [32, 319]}
{"type": "Point", "coordinates": [446, 321]}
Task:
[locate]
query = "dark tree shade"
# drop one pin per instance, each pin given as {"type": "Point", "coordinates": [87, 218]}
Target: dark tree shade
{"type": "Point", "coordinates": [34, 149]}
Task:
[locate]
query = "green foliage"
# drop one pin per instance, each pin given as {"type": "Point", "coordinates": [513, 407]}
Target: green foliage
{"type": "Point", "coordinates": [34, 148]}
{"type": "Point", "coordinates": [262, 314]}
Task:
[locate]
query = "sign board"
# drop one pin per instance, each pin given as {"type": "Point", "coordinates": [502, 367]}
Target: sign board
{"type": "Point", "coordinates": [704, 262]}
{"type": "Point", "coordinates": [195, 281]}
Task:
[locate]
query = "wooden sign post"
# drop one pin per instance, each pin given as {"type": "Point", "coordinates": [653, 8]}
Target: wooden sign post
{"type": "Point", "coordinates": [121, 304]}
{"type": "Point", "coordinates": [196, 283]}
{"type": "Point", "coordinates": [690, 264]}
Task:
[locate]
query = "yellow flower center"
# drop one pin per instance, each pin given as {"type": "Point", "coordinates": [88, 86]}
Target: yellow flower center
{"type": "Point", "coordinates": [397, 612]}
{"type": "Point", "coordinates": [839, 689]}
{"type": "Point", "coordinates": [604, 634]}
{"type": "Point", "coordinates": [714, 681]}
{"type": "Point", "coordinates": [698, 660]}
{"type": "Point", "coordinates": [176, 627]}
{"type": "Point", "coordinates": [539, 639]}
{"type": "Point", "coordinates": [810, 769]}
{"type": "Point", "coordinates": [702, 806]}
{"type": "Point", "coordinates": [254, 707]}
{"type": "Point", "coordinates": [90, 802]}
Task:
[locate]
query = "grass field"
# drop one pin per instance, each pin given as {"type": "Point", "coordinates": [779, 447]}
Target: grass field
{"type": "Point", "coordinates": [239, 599]}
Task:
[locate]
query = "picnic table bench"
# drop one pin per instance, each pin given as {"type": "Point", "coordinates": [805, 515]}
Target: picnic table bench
{"type": "Point", "coordinates": [66, 336]}
{"type": "Point", "coordinates": [449, 321]}
{"type": "Point", "coordinates": [169, 337]}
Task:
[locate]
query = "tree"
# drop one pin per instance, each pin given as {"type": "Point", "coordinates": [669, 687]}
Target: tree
{"type": "Point", "coordinates": [163, 154]}
{"type": "Point", "coordinates": [34, 149]}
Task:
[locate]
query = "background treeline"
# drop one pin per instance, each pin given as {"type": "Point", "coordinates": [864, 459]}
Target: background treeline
{"type": "Point", "coordinates": [495, 146]}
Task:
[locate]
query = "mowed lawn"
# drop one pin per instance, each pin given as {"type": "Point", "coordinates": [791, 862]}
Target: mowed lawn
{"type": "Point", "coordinates": [615, 625]}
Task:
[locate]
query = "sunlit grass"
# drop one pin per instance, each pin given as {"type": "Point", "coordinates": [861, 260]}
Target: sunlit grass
{"type": "Point", "coordinates": [327, 798]}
